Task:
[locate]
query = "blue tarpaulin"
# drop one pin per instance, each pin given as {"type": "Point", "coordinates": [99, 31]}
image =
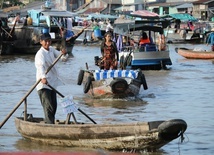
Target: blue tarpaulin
{"type": "Point", "coordinates": [210, 39]}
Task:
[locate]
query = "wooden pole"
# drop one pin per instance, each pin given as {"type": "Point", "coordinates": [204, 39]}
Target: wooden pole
{"type": "Point", "coordinates": [28, 93]}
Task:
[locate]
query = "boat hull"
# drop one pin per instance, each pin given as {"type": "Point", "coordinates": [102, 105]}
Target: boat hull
{"type": "Point", "coordinates": [138, 136]}
{"type": "Point", "coordinates": [112, 83]}
{"type": "Point", "coordinates": [190, 54]}
{"type": "Point", "coordinates": [145, 59]}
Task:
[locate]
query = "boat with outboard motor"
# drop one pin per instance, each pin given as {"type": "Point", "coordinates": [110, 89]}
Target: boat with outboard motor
{"type": "Point", "coordinates": [112, 83]}
{"type": "Point", "coordinates": [153, 55]}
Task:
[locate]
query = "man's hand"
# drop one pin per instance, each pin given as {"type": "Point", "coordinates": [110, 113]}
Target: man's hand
{"type": "Point", "coordinates": [63, 51]}
{"type": "Point", "coordinates": [44, 81]}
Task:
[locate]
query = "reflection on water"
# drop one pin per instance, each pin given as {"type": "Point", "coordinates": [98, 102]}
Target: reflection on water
{"type": "Point", "coordinates": [23, 145]}
{"type": "Point", "coordinates": [183, 91]}
{"type": "Point", "coordinates": [115, 103]}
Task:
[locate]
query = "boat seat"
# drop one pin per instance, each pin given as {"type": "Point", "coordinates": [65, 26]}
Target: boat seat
{"type": "Point", "coordinates": [151, 47]}
{"type": "Point", "coordinates": [147, 47]}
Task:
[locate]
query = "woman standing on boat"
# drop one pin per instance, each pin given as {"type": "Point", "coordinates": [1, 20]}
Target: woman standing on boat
{"type": "Point", "coordinates": [109, 52]}
{"type": "Point", "coordinates": [43, 59]}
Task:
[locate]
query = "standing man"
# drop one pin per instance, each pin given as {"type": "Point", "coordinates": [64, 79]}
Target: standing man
{"type": "Point", "coordinates": [43, 60]}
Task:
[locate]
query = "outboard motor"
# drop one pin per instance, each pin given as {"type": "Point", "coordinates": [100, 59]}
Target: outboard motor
{"type": "Point", "coordinates": [96, 60]}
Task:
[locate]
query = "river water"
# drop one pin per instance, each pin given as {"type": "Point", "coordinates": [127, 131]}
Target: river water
{"type": "Point", "coordinates": [184, 91]}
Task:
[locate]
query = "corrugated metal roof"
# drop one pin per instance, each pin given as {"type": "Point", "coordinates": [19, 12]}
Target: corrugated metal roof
{"type": "Point", "coordinates": [202, 1]}
{"type": "Point", "coordinates": [58, 13]}
{"type": "Point", "coordinates": [93, 10]}
{"type": "Point", "coordinates": [112, 1]}
{"type": "Point", "coordinates": [185, 5]}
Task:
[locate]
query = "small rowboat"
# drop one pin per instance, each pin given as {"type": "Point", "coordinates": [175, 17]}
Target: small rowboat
{"type": "Point", "coordinates": [124, 136]}
{"type": "Point", "coordinates": [191, 54]}
{"type": "Point", "coordinates": [112, 83]}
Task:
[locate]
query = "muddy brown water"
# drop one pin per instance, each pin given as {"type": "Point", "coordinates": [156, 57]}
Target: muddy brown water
{"type": "Point", "coordinates": [184, 91]}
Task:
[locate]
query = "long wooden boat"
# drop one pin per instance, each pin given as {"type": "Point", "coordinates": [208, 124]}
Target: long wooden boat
{"type": "Point", "coordinates": [124, 136]}
{"type": "Point", "coordinates": [191, 54]}
{"type": "Point", "coordinates": [112, 83]}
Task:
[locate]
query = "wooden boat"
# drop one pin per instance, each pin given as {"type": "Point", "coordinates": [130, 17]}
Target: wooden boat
{"type": "Point", "coordinates": [184, 28]}
{"type": "Point", "coordinates": [88, 37]}
{"type": "Point", "coordinates": [44, 20]}
{"type": "Point", "coordinates": [6, 35]}
{"type": "Point", "coordinates": [191, 54]}
{"type": "Point", "coordinates": [112, 83]}
{"type": "Point", "coordinates": [124, 136]}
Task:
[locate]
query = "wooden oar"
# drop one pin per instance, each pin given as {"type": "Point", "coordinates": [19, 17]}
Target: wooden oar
{"type": "Point", "coordinates": [6, 32]}
{"type": "Point", "coordinates": [28, 93]}
{"type": "Point", "coordinates": [77, 109]}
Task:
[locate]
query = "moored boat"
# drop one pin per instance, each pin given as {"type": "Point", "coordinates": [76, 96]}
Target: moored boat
{"type": "Point", "coordinates": [124, 136]}
{"type": "Point", "coordinates": [6, 35]}
{"type": "Point", "coordinates": [44, 20]}
{"type": "Point", "coordinates": [192, 54]}
{"type": "Point", "coordinates": [112, 83]}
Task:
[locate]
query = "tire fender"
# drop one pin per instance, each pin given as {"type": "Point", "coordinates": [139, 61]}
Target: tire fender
{"type": "Point", "coordinates": [143, 81]}
{"type": "Point", "coordinates": [87, 85]}
{"type": "Point", "coordinates": [172, 129]}
{"type": "Point", "coordinates": [119, 85]}
{"type": "Point", "coordinates": [85, 41]}
{"type": "Point", "coordinates": [80, 77]}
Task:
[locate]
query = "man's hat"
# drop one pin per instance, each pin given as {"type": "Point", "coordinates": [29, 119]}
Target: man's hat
{"type": "Point", "coordinates": [45, 36]}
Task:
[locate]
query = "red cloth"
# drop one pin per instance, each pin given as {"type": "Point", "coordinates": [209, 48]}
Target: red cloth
{"type": "Point", "coordinates": [144, 41]}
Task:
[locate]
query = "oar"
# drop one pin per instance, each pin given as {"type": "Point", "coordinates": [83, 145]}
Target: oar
{"type": "Point", "coordinates": [28, 93]}
{"type": "Point", "coordinates": [77, 109]}
{"type": "Point", "coordinates": [6, 32]}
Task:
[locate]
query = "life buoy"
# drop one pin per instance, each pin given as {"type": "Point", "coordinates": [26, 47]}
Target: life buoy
{"type": "Point", "coordinates": [87, 85]}
{"type": "Point", "coordinates": [172, 129]}
{"type": "Point", "coordinates": [80, 77]}
{"type": "Point", "coordinates": [119, 85]}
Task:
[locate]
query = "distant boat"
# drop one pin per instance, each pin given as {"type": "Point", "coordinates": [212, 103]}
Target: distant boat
{"type": "Point", "coordinates": [6, 35]}
{"type": "Point", "coordinates": [44, 20]}
{"type": "Point", "coordinates": [191, 54]}
{"type": "Point", "coordinates": [147, 55]}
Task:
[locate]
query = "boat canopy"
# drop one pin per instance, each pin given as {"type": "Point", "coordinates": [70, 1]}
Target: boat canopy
{"type": "Point", "coordinates": [46, 15]}
{"type": "Point", "coordinates": [145, 14]}
{"type": "Point", "coordinates": [182, 16]}
{"type": "Point", "coordinates": [125, 28]}
{"type": "Point", "coordinates": [102, 16]}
